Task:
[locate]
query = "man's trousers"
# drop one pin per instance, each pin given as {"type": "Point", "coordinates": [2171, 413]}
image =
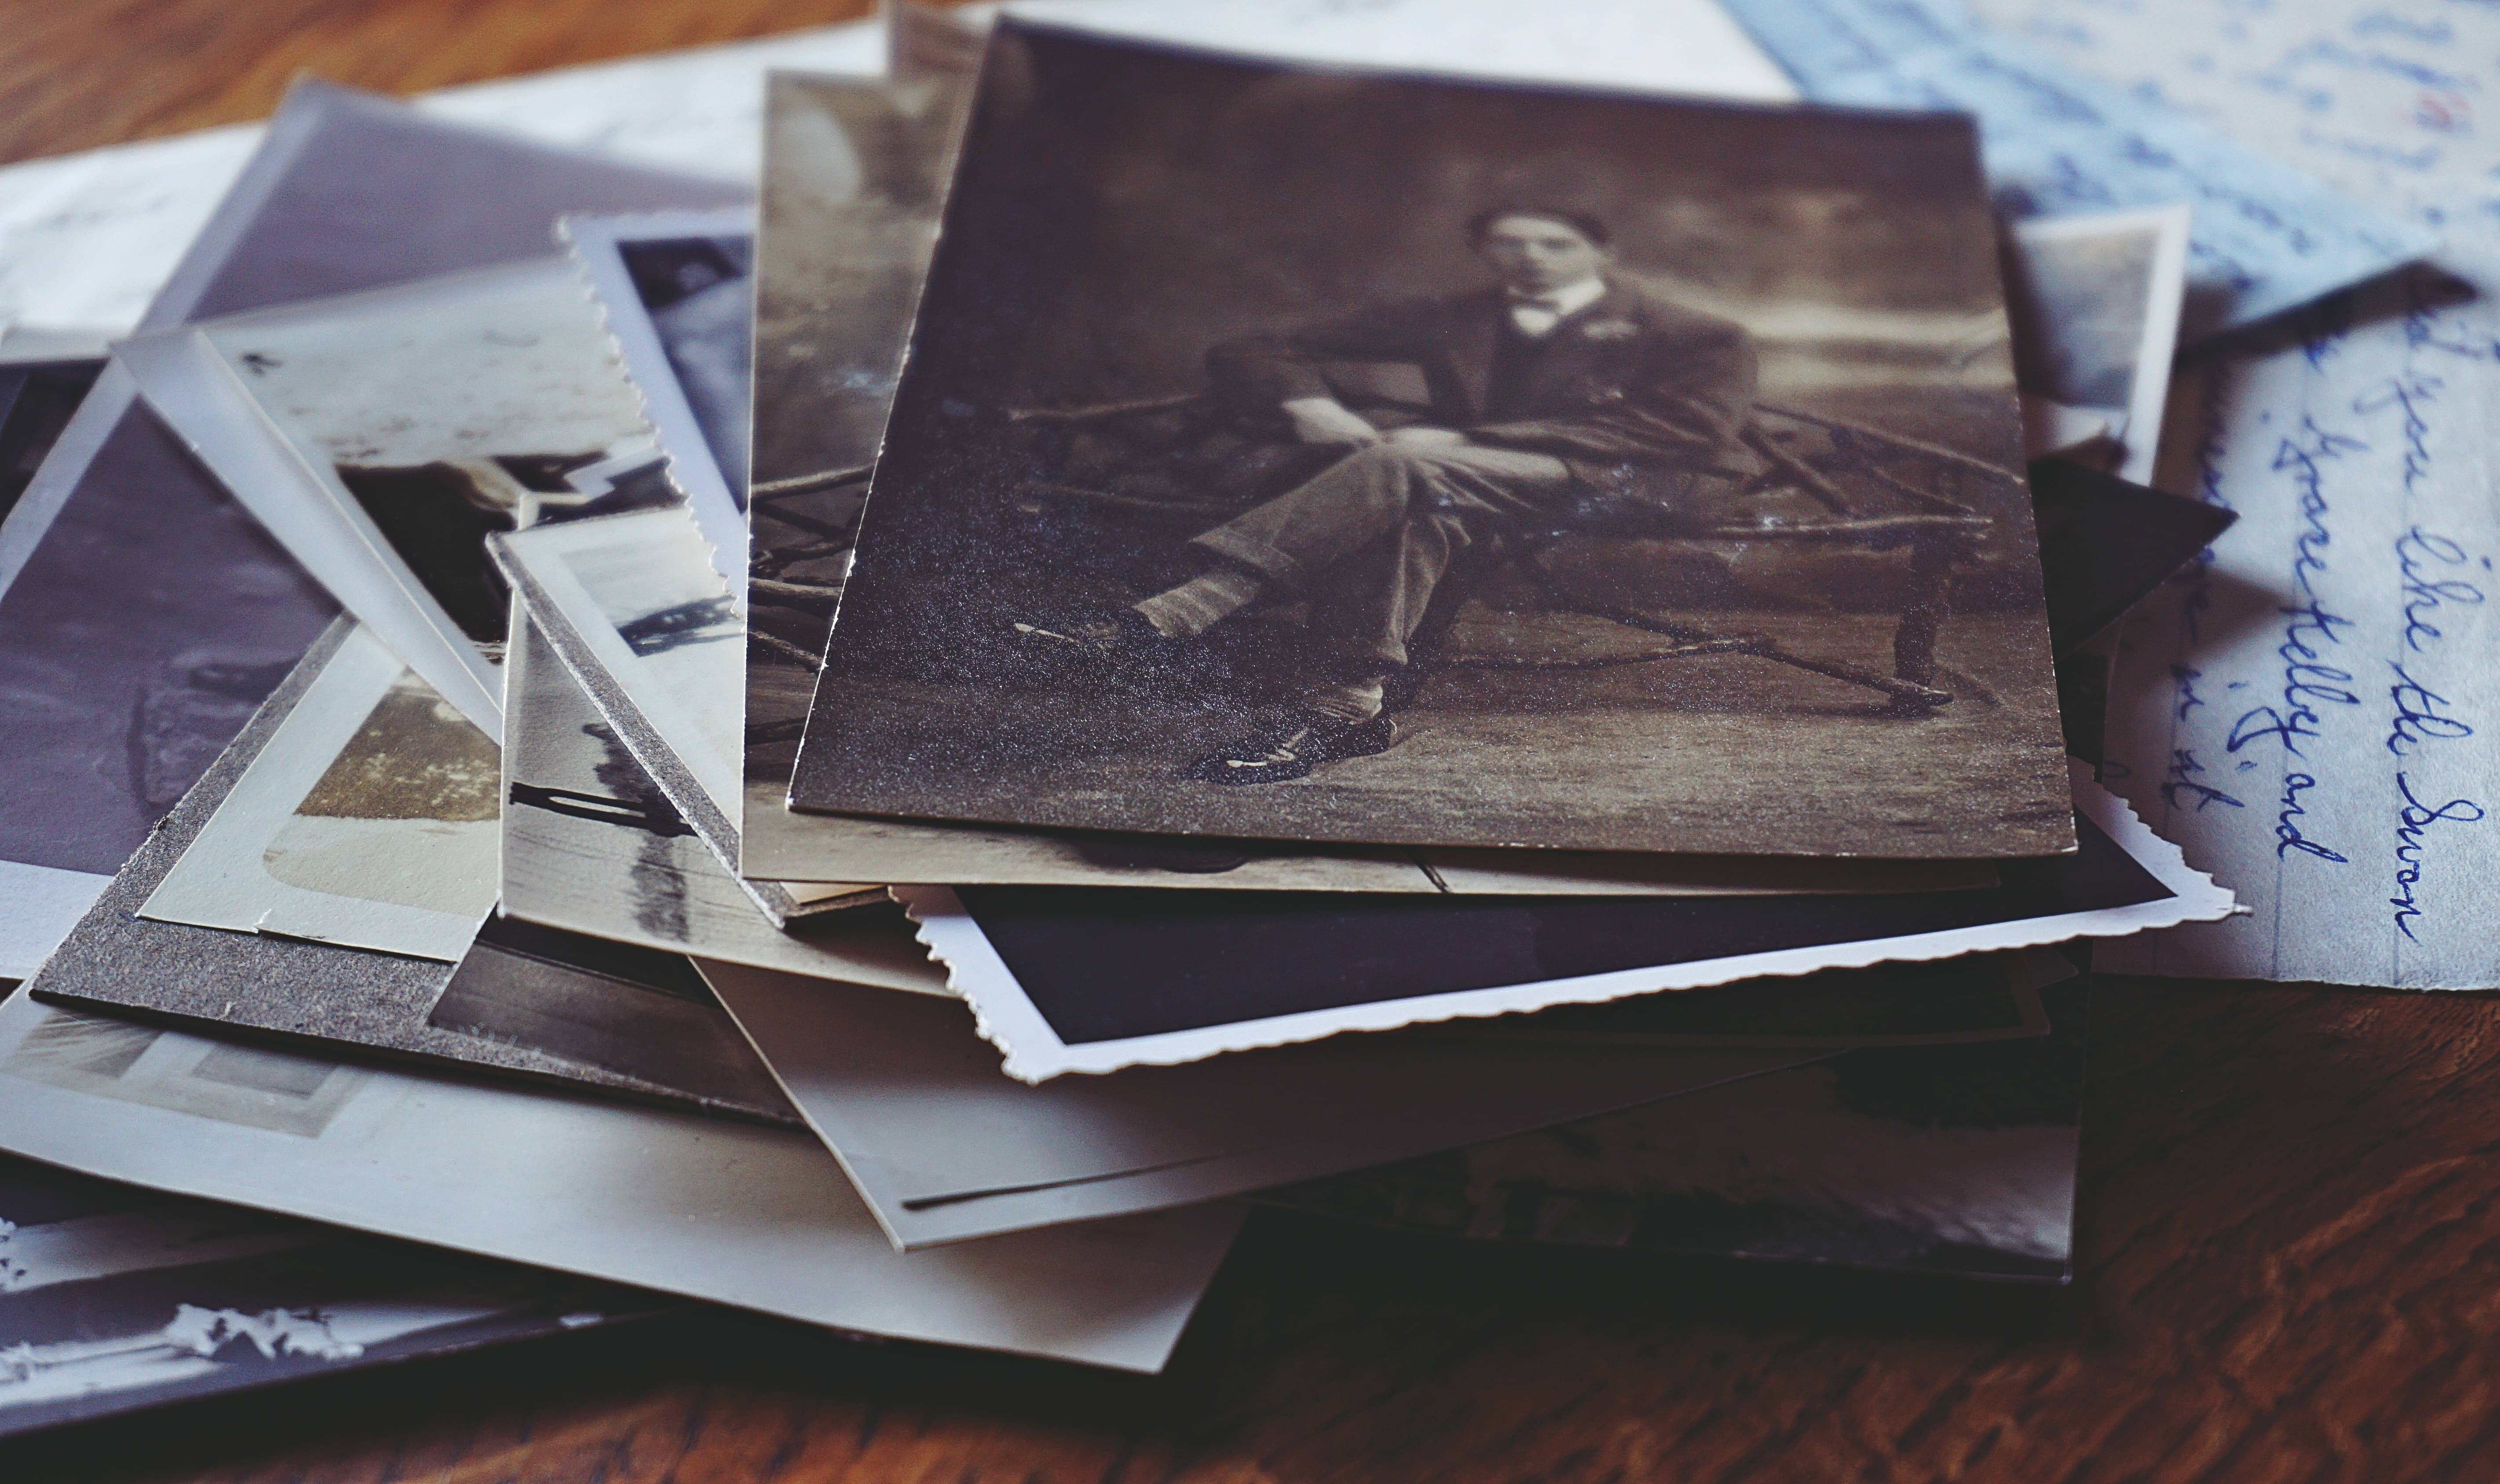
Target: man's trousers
{"type": "Point", "coordinates": [1369, 539]}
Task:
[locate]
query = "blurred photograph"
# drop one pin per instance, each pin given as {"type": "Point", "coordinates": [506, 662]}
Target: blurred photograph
{"type": "Point", "coordinates": [1504, 483]}
{"type": "Point", "coordinates": [2096, 302]}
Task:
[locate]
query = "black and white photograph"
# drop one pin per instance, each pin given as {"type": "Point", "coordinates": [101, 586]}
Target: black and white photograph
{"type": "Point", "coordinates": [591, 844]}
{"type": "Point", "coordinates": [725, 1210]}
{"type": "Point", "coordinates": [1241, 484]}
{"type": "Point", "coordinates": [383, 437]}
{"type": "Point", "coordinates": [113, 1299]}
{"type": "Point", "coordinates": [2097, 301]}
{"type": "Point", "coordinates": [516, 999]}
{"type": "Point", "coordinates": [1089, 980]}
{"type": "Point", "coordinates": [943, 1149]}
{"type": "Point", "coordinates": [677, 290]}
{"type": "Point", "coordinates": [143, 612]}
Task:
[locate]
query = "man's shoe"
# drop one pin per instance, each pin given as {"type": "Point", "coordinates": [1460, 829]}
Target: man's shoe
{"type": "Point", "coordinates": [1292, 748]}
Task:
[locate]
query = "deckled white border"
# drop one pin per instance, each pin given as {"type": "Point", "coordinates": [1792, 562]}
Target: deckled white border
{"type": "Point", "coordinates": [1034, 1053]}
{"type": "Point", "coordinates": [597, 244]}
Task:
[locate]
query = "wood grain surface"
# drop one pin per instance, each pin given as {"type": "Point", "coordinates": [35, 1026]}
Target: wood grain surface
{"type": "Point", "coordinates": [2291, 1198]}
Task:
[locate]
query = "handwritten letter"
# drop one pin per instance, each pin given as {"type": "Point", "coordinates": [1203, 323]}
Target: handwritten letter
{"type": "Point", "coordinates": [2059, 140]}
{"type": "Point", "coordinates": [2314, 711]}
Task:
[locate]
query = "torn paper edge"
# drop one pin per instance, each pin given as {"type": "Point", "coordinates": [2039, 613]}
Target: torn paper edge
{"type": "Point", "coordinates": [1034, 1053]}
{"type": "Point", "coordinates": [596, 243]}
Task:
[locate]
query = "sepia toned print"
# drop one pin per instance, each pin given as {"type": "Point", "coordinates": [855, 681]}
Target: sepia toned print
{"type": "Point", "coordinates": [854, 175]}
{"type": "Point", "coordinates": [1505, 482]}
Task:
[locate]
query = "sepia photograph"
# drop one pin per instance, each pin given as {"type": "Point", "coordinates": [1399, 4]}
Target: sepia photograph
{"type": "Point", "coordinates": [1481, 487]}
{"type": "Point", "coordinates": [854, 175]}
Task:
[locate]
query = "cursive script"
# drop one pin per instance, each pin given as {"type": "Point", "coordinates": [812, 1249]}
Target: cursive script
{"type": "Point", "coordinates": [2411, 821]}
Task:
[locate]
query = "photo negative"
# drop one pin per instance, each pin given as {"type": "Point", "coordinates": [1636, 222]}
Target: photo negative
{"type": "Point", "coordinates": [1477, 487]}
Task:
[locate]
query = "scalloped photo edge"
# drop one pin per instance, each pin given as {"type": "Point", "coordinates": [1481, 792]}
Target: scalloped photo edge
{"type": "Point", "coordinates": [1009, 1020]}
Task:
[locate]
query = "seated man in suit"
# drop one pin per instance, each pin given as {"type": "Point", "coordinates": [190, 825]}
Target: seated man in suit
{"type": "Point", "coordinates": [1559, 393]}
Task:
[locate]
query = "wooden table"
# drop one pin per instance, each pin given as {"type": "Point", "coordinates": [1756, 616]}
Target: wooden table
{"type": "Point", "coordinates": [2291, 1200]}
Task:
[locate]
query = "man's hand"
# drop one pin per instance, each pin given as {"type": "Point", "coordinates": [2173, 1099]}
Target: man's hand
{"type": "Point", "coordinates": [1325, 420]}
{"type": "Point", "coordinates": [1423, 437]}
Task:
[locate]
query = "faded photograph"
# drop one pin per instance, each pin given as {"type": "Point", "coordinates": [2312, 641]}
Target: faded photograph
{"type": "Point", "coordinates": [153, 612]}
{"type": "Point", "coordinates": [698, 294]}
{"type": "Point", "coordinates": [416, 763]}
{"type": "Point", "coordinates": [369, 820]}
{"type": "Point", "coordinates": [114, 1298]}
{"type": "Point", "coordinates": [854, 176]}
{"type": "Point", "coordinates": [676, 292]}
{"type": "Point", "coordinates": [455, 408]}
{"type": "Point", "coordinates": [507, 997]}
{"type": "Point", "coordinates": [1504, 483]}
{"type": "Point", "coordinates": [592, 844]}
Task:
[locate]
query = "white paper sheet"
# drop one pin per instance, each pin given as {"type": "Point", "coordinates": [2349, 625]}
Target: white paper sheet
{"type": "Point", "coordinates": [710, 1208]}
{"type": "Point", "coordinates": [2314, 715]}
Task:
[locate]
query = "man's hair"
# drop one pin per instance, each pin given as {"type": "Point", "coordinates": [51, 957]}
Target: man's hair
{"type": "Point", "coordinates": [1582, 222]}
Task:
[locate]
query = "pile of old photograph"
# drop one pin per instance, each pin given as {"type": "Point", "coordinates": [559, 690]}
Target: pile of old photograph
{"type": "Point", "coordinates": [1174, 615]}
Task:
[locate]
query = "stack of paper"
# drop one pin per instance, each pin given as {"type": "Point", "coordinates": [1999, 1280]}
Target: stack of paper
{"type": "Point", "coordinates": [1500, 629]}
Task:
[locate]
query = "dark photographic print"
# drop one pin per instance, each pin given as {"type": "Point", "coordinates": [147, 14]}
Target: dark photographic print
{"type": "Point", "coordinates": [1299, 454]}
{"type": "Point", "coordinates": [854, 173]}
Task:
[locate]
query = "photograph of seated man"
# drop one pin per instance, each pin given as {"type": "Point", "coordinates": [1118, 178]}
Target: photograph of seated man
{"type": "Point", "coordinates": [1559, 394]}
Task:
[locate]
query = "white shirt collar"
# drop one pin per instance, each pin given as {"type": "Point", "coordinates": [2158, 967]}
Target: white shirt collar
{"type": "Point", "coordinates": [1570, 299]}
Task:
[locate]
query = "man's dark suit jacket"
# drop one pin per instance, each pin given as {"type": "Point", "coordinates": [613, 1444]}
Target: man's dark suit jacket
{"type": "Point", "coordinates": [1636, 394]}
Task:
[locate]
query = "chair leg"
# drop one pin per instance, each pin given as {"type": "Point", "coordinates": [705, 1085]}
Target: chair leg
{"type": "Point", "coordinates": [1923, 618]}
